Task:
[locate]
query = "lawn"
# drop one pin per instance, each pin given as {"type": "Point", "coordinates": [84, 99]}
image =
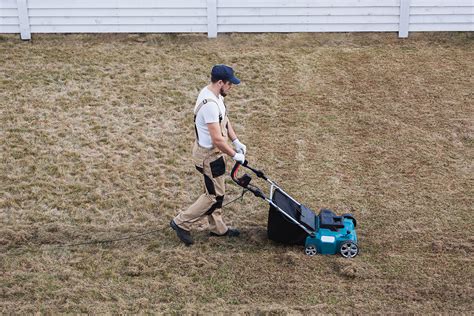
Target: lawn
{"type": "Point", "coordinates": [95, 144]}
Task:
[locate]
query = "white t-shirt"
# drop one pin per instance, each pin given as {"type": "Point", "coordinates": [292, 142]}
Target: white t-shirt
{"type": "Point", "coordinates": [209, 113]}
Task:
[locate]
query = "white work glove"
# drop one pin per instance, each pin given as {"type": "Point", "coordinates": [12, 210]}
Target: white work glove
{"type": "Point", "coordinates": [239, 157]}
{"type": "Point", "coordinates": [239, 147]}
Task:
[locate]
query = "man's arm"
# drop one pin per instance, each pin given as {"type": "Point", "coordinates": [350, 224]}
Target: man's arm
{"type": "Point", "coordinates": [218, 140]}
{"type": "Point", "coordinates": [231, 132]}
{"type": "Point", "coordinates": [239, 147]}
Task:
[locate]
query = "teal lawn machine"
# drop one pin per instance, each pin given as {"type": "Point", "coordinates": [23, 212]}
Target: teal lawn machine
{"type": "Point", "coordinates": [292, 223]}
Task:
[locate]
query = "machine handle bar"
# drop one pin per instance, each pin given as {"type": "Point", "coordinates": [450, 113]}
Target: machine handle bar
{"type": "Point", "coordinates": [245, 179]}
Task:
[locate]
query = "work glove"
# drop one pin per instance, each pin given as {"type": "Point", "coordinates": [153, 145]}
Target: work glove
{"type": "Point", "coordinates": [239, 147]}
{"type": "Point", "coordinates": [239, 157]}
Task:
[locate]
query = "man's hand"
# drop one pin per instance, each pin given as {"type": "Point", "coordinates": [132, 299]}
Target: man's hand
{"type": "Point", "coordinates": [239, 147]}
{"type": "Point", "coordinates": [239, 157]}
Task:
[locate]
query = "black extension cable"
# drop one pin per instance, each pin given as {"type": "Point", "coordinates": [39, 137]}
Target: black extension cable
{"type": "Point", "coordinates": [105, 241]}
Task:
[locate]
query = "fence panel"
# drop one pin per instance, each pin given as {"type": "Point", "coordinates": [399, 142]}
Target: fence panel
{"type": "Point", "coordinates": [118, 16]}
{"type": "Point", "coordinates": [441, 15]}
{"type": "Point", "coordinates": [214, 16]}
{"type": "Point", "coordinates": [9, 21]}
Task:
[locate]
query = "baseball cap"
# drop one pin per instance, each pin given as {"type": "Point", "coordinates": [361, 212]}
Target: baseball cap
{"type": "Point", "coordinates": [224, 72]}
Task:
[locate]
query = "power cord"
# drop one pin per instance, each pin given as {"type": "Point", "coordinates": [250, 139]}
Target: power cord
{"type": "Point", "coordinates": [105, 241]}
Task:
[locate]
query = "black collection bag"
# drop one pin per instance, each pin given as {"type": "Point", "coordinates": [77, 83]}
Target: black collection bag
{"type": "Point", "coordinates": [280, 227]}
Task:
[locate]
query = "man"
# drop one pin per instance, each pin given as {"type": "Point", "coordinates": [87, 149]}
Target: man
{"type": "Point", "coordinates": [213, 129]}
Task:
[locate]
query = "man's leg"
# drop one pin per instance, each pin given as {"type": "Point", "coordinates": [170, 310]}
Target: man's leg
{"type": "Point", "coordinates": [216, 223]}
{"type": "Point", "coordinates": [204, 206]}
{"type": "Point", "coordinates": [194, 212]}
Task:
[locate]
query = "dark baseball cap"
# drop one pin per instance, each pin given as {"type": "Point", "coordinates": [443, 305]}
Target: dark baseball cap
{"type": "Point", "coordinates": [224, 72]}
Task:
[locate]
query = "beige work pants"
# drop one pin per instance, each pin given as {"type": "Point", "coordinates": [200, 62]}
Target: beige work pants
{"type": "Point", "coordinates": [211, 164]}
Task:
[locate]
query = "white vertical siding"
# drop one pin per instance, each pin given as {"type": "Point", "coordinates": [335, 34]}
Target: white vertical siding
{"type": "Point", "coordinates": [9, 21]}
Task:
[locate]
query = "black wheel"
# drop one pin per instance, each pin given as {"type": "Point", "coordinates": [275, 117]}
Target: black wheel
{"type": "Point", "coordinates": [348, 249]}
{"type": "Point", "coordinates": [350, 216]}
{"type": "Point", "coordinates": [310, 250]}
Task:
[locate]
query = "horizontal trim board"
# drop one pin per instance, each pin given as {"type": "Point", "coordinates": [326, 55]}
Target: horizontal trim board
{"type": "Point", "coordinates": [465, 27]}
{"type": "Point", "coordinates": [118, 20]}
{"type": "Point", "coordinates": [309, 28]}
{"type": "Point", "coordinates": [91, 4]}
{"type": "Point", "coordinates": [441, 3]}
{"type": "Point", "coordinates": [305, 3]}
{"type": "Point", "coordinates": [9, 21]}
{"type": "Point", "coordinates": [308, 11]}
{"type": "Point", "coordinates": [434, 19]}
{"type": "Point", "coordinates": [441, 10]}
{"type": "Point", "coordinates": [119, 29]}
{"type": "Point", "coordinates": [275, 20]}
{"type": "Point", "coordinates": [9, 12]}
{"type": "Point", "coordinates": [8, 4]}
{"type": "Point", "coordinates": [9, 28]}
{"type": "Point", "coordinates": [117, 12]}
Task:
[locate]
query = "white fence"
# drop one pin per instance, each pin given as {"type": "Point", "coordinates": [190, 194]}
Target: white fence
{"type": "Point", "coordinates": [216, 16]}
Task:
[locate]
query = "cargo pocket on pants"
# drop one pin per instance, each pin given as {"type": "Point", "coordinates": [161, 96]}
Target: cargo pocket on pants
{"type": "Point", "coordinates": [217, 167]}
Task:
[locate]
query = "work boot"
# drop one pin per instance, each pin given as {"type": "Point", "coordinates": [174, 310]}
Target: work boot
{"type": "Point", "coordinates": [182, 234]}
{"type": "Point", "coordinates": [231, 232]}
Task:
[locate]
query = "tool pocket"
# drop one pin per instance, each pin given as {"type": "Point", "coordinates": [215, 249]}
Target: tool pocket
{"type": "Point", "coordinates": [217, 167]}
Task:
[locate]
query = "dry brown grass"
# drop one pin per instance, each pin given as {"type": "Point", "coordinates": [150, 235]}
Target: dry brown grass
{"type": "Point", "coordinates": [95, 144]}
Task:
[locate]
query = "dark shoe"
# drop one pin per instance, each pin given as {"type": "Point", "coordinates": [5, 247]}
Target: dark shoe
{"type": "Point", "coordinates": [230, 233]}
{"type": "Point", "coordinates": [183, 234]}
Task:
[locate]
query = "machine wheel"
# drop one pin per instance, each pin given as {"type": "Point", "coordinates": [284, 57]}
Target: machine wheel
{"type": "Point", "coordinates": [349, 215]}
{"type": "Point", "coordinates": [310, 250]}
{"type": "Point", "coordinates": [348, 249]}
